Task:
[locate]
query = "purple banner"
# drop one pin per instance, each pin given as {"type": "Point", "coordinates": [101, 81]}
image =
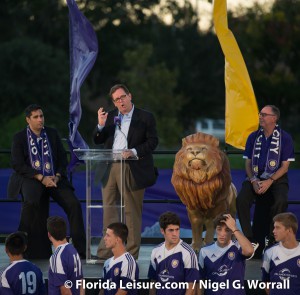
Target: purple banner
{"type": "Point", "coordinates": [83, 54]}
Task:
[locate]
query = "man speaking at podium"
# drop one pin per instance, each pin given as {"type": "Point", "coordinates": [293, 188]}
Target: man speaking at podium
{"type": "Point", "coordinates": [133, 130]}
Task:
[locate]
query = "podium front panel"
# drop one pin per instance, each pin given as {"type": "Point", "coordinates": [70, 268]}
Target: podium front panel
{"type": "Point", "coordinates": [97, 163]}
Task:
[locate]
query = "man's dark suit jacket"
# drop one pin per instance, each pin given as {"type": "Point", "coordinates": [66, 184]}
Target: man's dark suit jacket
{"type": "Point", "coordinates": [142, 136]}
{"type": "Point", "coordinates": [21, 160]}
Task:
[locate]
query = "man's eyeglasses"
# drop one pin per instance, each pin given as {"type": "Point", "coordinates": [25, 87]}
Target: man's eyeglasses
{"type": "Point", "coordinates": [265, 114]}
{"type": "Point", "coordinates": [118, 99]}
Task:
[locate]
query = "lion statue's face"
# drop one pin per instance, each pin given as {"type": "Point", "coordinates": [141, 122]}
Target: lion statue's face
{"type": "Point", "coordinates": [198, 162]}
{"type": "Point", "coordinates": [201, 172]}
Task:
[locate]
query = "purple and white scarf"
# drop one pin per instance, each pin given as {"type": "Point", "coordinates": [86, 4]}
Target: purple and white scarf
{"type": "Point", "coordinates": [40, 153]}
{"type": "Point", "coordinates": [273, 156]}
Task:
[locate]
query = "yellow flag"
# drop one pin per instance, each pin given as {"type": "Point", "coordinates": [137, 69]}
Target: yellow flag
{"type": "Point", "coordinates": [241, 116]}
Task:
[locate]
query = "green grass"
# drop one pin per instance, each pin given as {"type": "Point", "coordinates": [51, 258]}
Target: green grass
{"type": "Point", "coordinates": [167, 161]}
{"type": "Point", "coordinates": [236, 161]}
{"type": "Point", "coordinates": [164, 161]}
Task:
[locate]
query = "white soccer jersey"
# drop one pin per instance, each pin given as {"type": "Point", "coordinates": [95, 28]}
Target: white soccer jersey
{"type": "Point", "coordinates": [123, 268]}
{"type": "Point", "coordinates": [281, 264]}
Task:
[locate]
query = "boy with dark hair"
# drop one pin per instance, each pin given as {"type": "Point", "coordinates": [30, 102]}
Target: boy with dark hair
{"type": "Point", "coordinates": [120, 230]}
{"type": "Point", "coordinates": [65, 265]}
{"type": "Point", "coordinates": [173, 260]}
{"type": "Point", "coordinates": [121, 268]}
{"type": "Point", "coordinates": [21, 276]}
{"type": "Point", "coordinates": [281, 264]}
{"type": "Point", "coordinates": [224, 260]}
{"type": "Point", "coordinates": [168, 218]}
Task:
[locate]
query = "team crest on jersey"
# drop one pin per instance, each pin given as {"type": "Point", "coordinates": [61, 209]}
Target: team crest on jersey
{"type": "Point", "coordinates": [116, 271]}
{"type": "Point", "coordinates": [298, 262]}
{"type": "Point", "coordinates": [222, 271]}
{"type": "Point", "coordinates": [174, 263]}
{"type": "Point", "coordinates": [231, 255]}
{"type": "Point", "coordinates": [165, 276]}
{"type": "Point", "coordinates": [47, 166]}
{"type": "Point", "coordinates": [284, 274]}
{"type": "Point", "coordinates": [37, 164]}
{"type": "Point", "coordinates": [272, 163]}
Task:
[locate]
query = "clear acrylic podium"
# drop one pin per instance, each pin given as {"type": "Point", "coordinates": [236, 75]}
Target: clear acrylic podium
{"type": "Point", "coordinates": [100, 157]}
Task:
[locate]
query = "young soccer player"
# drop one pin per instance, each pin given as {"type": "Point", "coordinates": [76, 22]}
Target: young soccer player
{"type": "Point", "coordinates": [20, 276]}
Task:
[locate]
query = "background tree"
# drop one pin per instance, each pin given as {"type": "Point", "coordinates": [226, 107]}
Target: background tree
{"type": "Point", "coordinates": [269, 42]}
{"type": "Point", "coordinates": [181, 64]}
{"type": "Point", "coordinates": [153, 86]}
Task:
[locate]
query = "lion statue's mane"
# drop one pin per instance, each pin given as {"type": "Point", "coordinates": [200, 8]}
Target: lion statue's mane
{"type": "Point", "coordinates": [201, 178]}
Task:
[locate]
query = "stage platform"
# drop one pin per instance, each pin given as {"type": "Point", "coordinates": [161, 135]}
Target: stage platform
{"type": "Point", "coordinates": [93, 272]}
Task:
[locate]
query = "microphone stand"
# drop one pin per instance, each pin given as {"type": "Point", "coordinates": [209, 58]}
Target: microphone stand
{"type": "Point", "coordinates": [117, 121]}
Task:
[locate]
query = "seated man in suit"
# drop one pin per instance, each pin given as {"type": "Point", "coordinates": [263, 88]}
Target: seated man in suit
{"type": "Point", "coordinates": [39, 162]}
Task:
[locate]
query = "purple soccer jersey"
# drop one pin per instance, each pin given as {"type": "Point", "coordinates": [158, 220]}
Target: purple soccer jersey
{"type": "Point", "coordinates": [65, 265]}
{"type": "Point", "coordinates": [121, 271]}
{"type": "Point", "coordinates": [22, 277]}
{"type": "Point", "coordinates": [223, 266]}
{"type": "Point", "coordinates": [282, 266]}
{"type": "Point", "coordinates": [176, 265]}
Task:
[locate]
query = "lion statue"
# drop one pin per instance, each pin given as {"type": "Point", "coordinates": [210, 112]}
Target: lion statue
{"type": "Point", "coordinates": [201, 178]}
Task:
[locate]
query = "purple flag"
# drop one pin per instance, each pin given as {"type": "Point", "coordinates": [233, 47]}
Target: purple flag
{"type": "Point", "coordinates": [83, 54]}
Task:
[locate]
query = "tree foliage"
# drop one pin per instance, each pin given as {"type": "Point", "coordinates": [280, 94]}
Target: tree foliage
{"type": "Point", "coordinates": [270, 45]}
{"type": "Point", "coordinates": [32, 71]}
{"type": "Point", "coordinates": [174, 70]}
{"type": "Point", "coordinates": [154, 87]}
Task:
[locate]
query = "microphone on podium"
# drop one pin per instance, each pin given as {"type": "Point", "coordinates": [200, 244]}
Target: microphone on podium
{"type": "Point", "coordinates": [118, 122]}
